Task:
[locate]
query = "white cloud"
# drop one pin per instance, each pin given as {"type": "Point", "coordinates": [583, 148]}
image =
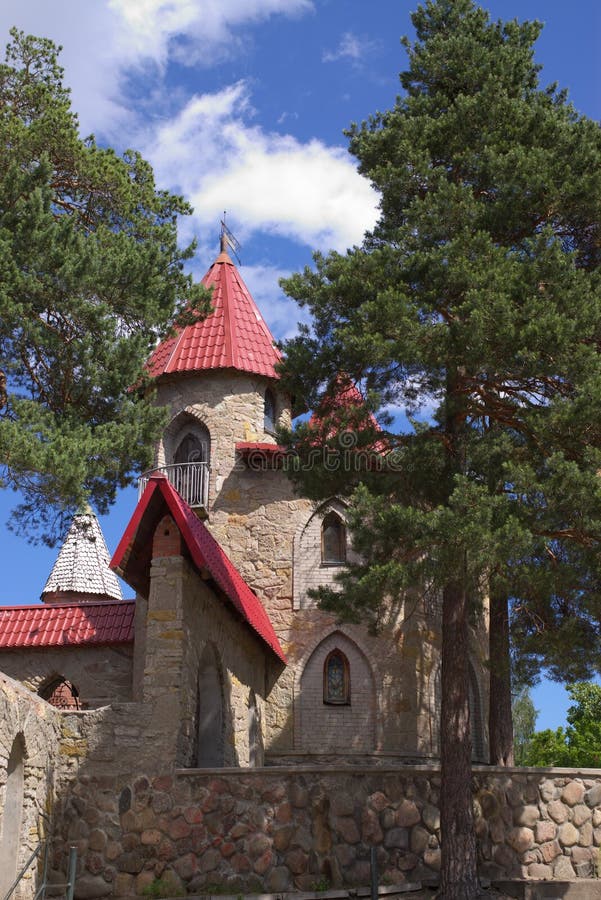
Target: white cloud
{"type": "Point", "coordinates": [105, 41]}
{"type": "Point", "coordinates": [308, 192]}
{"type": "Point", "coordinates": [150, 25]}
{"type": "Point", "coordinates": [210, 150]}
{"type": "Point", "coordinates": [350, 47]}
{"type": "Point", "coordinates": [280, 312]}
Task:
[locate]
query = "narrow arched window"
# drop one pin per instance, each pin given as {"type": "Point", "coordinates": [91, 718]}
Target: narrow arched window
{"type": "Point", "coordinates": [269, 410]}
{"type": "Point", "coordinates": [254, 731]}
{"type": "Point", "coordinates": [210, 724]}
{"type": "Point", "coordinates": [336, 679]}
{"type": "Point", "coordinates": [333, 540]}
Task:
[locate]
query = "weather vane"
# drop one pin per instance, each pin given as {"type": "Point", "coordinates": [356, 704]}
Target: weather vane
{"type": "Point", "coordinates": [228, 240]}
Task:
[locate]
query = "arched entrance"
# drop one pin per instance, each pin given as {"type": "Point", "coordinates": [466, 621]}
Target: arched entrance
{"type": "Point", "coordinates": [12, 815]}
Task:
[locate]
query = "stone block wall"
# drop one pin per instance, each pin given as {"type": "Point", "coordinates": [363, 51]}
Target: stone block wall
{"type": "Point", "coordinates": [101, 674]}
{"type": "Point", "coordinates": [309, 571]}
{"type": "Point", "coordinates": [341, 728]}
{"type": "Point", "coordinates": [273, 537]}
{"type": "Point", "coordinates": [183, 616]}
{"type": "Point", "coordinates": [28, 738]}
{"type": "Point", "coordinates": [283, 829]}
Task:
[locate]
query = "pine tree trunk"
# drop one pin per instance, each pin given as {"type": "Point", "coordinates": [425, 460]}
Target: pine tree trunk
{"type": "Point", "coordinates": [500, 724]}
{"type": "Point", "coordinates": [459, 876]}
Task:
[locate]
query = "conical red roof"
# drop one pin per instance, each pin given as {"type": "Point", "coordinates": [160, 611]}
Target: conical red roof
{"type": "Point", "coordinates": [233, 336]}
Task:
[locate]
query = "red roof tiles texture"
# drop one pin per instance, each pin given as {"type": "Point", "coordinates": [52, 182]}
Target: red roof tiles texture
{"type": "Point", "coordinates": [67, 624]}
{"type": "Point", "coordinates": [204, 551]}
{"type": "Point", "coordinates": [233, 336]}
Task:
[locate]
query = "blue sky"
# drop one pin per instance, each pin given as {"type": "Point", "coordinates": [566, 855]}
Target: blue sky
{"type": "Point", "coordinates": [241, 105]}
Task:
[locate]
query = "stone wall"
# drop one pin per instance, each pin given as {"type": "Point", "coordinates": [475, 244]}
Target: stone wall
{"type": "Point", "coordinates": [309, 571]}
{"type": "Point", "coordinates": [281, 829]}
{"type": "Point", "coordinates": [28, 739]}
{"type": "Point", "coordinates": [100, 674]}
{"type": "Point", "coordinates": [273, 537]}
{"type": "Point", "coordinates": [183, 617]}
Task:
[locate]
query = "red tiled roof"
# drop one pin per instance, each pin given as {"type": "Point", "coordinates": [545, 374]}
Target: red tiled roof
{"type": "Point", "coordinates": [133, 555]}
{"type": "Point", "coordinates": [233, 336]}
{"type": "Point", "coordinates": [341, 400]}
{"type": "Point", "coordinates": [67, 624]}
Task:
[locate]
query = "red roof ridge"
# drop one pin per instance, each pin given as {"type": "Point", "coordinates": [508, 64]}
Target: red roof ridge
{"type": "Point", "coordinates": [68, 603]}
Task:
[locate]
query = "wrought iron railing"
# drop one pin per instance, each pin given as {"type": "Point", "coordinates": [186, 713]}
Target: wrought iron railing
{"type": "Point", "coordinates": [190, 480]}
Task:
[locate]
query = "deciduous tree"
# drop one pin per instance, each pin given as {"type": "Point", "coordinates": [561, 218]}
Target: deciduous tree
{"type": "Point", "coordinates": [578, 745]}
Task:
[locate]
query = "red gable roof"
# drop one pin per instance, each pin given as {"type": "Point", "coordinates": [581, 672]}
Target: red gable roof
{"type": "Point", "coordinates": [67, 624]}
{"type": "Point", "coordinates": [133, 555]}
{"type": "Point", "coordinates": [233, 336]}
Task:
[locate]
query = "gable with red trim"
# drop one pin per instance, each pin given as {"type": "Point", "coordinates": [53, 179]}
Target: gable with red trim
{"type": "Point", "coordinates": [133, 556]}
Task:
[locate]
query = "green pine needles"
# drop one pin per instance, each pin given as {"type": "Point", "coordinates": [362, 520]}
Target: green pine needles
{"type": "Point", "coordinates": [90, 275]}
{"type": "Point", "coordinates": [475, 301]}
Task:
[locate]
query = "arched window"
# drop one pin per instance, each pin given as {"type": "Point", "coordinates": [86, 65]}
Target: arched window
{"type": "Point", "coordinates": [269, 417]}
{"type": "Point", "coordinates": [194, 446]}
{"type": "Point", "coordinates": [475, 716]}
{"type": "Point", "coordinates": [254, 731]}
{"type": "Point", "coordinates": [192, 481]}
{"type": "Point", "coordinates": [336, 679]}
{"type": "Point", "coordinates": [210, 711]}
{"type": "Point", "coordinates": [61, 693]}
{"type": "Point", "coordinates": [333, 540]}
{"type": "Point", "coordinates": [11, 820]}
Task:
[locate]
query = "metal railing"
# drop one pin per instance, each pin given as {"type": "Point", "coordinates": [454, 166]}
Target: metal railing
{"type": "Point", "coordinates": [190, 480]}
{"type": "Point", "coordinates": [24, 870]}
{"type": "Point", "coordinates": [40, 894]}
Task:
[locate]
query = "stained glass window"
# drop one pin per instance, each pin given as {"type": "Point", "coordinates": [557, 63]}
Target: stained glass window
{"type": "Point", "coordinates": [333, 540]}
{"type": "Point", "coordinates": [336, 681]}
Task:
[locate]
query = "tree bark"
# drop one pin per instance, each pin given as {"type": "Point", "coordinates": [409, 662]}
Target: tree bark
{"type": "Point", "coordinates": [500, 724]}
{"type": "Point", "coordinates": [459, 875]}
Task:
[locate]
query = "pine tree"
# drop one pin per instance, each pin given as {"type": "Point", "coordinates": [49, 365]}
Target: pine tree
{"type": "Point", "coordinates": [90, 274]}
{"type": "Point", "coordinates": [476, 297]}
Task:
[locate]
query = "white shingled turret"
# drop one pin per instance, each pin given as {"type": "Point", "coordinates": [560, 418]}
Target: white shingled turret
{"type": "Point", "coordinates": [81, 571]}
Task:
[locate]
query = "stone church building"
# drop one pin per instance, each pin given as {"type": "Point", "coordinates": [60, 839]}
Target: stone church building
{"type": "Point", "coordinates": [221, 660]}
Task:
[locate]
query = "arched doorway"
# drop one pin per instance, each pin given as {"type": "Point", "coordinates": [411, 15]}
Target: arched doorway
{"type": "Point", "coordinates": [12, 815]}
{"type": "Point", "coordinates": [210, 725]}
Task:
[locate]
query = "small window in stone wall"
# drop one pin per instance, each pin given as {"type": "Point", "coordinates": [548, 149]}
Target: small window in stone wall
{"type": "Point", "coordinates": [333, 540]}
{"type": "Point", "coordinates": [336, 679]}
{"type": "Point", "coordinates": [269, 422]}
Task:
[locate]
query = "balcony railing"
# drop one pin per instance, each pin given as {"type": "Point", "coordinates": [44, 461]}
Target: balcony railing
{"type": "Point", "coordinates": [190, 480]}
